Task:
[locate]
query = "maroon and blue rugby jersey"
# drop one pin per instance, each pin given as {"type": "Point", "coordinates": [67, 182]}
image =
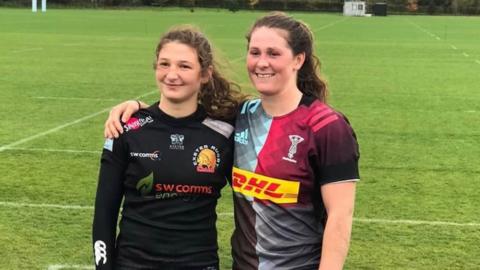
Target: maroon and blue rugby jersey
{"type": "Point", "coordinates": [280, 163]}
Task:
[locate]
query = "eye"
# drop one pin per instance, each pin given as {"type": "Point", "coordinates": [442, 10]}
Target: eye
{"type": "Point", "coordinates": [254, 52]}
{"type": "Point", "coordinates": [184, 66]}
{"type": "Point", "coordinates": [273, 53]}
{"type": "Point", "coordinates": [163, 64]}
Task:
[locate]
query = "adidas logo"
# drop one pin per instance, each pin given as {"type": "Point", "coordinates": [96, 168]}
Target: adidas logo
{"type": "Point", "coordinates": [242, 137]}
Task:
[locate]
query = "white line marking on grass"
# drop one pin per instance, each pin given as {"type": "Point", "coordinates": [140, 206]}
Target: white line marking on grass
{"type": "Point", "coordinates": [115, 39]}
{"type": "Point", "coordinates": [69, 266]}
{"type": "Point", "coordinates": [46, 205]}
{"type": "Point", "coordinates": [424, 30]}
{"type": "Point", "coordinates": [237, 59]}
{"type": "Point", "coordinates": [27, 50]}
{"type": "Point", "coordinates": [78, 98]}
{"type": "Point", "coordinates": [361, 220]}
{"type": "Point", "coordinates": [329, 25]}
{"type": "Point", "coordinates": [438, 38]}
{"type": "Point", "coordinates": [415, 222]}
{"type": "Point", "coordinates": [72, 44]}
{"type": "Point", "coordinates": [41, 134]}
{"type": "Point", "coordinates": [54, 150]}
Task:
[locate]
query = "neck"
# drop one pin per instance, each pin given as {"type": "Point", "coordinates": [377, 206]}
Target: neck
{"type": "Point", "coordinates": [178, 110]}
{"type": "Point", "coordinates": [281, 103]}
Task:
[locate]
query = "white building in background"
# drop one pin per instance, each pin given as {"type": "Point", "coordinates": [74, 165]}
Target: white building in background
{"type": "Point", "coordinates": [354, 8]}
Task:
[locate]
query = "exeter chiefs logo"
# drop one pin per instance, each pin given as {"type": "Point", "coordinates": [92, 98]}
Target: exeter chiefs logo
{"type": "Point", "coordinates": [206, 158]}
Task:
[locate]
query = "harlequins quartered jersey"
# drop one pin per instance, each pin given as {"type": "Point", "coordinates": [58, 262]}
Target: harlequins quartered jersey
{"type": "Point", "coordinates": [280, 163]}
{"type": "Point", "coordinates": [169, 173]}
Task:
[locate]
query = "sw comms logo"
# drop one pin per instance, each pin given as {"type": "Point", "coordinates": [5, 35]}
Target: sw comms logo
{"type": "Point", "coordinates": [155, 155]}
{"type": "Point", "coordinates": [264, 187]}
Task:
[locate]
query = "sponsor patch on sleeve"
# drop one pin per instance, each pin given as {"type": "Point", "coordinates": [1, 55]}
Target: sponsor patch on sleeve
{"type": "Point", "coordinates": [108, 145]}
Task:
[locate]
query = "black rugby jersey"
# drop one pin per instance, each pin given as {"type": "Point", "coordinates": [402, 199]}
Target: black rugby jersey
{"type": "Point", "coordinates": [169, 173]}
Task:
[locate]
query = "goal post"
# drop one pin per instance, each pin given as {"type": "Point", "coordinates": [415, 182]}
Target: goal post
{"type": "Point", "coordinates": [35, 4]}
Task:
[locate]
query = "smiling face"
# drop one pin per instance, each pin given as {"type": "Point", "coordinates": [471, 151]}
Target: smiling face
{"type": "Point", "coordinates": [178, 73]}
{"type": "Point", "coordinates": [271, 65]}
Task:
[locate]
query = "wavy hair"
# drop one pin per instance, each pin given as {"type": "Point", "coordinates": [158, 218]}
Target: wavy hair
{"type": "Point", "coordinates": [300, 39]}
{"type": "Point", "coordinates": [219, 96]}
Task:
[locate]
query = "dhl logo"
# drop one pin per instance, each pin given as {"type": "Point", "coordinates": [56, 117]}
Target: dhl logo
{"type": "Point", "coordinates": [265, 188]}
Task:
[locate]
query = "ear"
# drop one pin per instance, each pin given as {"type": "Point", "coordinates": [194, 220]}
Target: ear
{"type": "Point", "coordinates": [299, 59]}
{"type": "Point", "coordinates": [207, 75]}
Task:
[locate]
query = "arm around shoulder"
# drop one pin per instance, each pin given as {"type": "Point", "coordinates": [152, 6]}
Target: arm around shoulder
{"type": "Point", "coordinates": [121, 113]}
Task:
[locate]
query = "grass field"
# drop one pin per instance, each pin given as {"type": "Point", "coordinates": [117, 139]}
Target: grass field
{"type": "Point", "coordinates": [409, 85]}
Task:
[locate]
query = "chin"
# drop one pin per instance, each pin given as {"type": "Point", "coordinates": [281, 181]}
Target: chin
{"type": "Point", "coordinates": [267, 92]}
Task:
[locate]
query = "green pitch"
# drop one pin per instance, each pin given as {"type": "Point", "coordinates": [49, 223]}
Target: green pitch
{"type": "Point", "coordinates": [409, 85]}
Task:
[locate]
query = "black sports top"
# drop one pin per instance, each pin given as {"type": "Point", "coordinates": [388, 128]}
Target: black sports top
{"type": "Point", "coordinates": [169, 172]}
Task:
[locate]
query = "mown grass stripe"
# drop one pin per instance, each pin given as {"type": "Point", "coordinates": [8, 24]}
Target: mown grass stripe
{"type": "Point", "coordinates": [69, 266]}
{"type": "Point", "coordinates": [55, 129]}
{"type": "Point", "coordinates": [361, 220]}
{"type": "Point", "coordinates": [54, 150]}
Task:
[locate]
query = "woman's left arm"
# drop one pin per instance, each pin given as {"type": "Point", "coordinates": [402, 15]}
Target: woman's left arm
{"type": "Point", "coordinates": [339, 201]}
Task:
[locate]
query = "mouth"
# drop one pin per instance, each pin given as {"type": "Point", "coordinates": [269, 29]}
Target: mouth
{"type": "Point", "coordinates": [171, 84]}
{"type": "Point", "coordinates": [264, 75]}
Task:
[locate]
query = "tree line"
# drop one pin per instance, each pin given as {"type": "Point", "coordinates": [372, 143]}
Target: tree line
{"type": "Point", "coordinates": [469, 7]}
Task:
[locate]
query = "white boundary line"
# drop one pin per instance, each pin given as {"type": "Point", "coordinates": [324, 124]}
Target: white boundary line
{"type": "Point", "coordinates": [41, 134]}
{"type": "Point", "coordinates": [73, 44]}
{"type": "Point", "coordinates": [78, 98]}
{"type": "Point", "coordinates": [237, 59]}
{"type": "Point", "coordinates": [53, 150]}
{"type": "Point", "coordinates": [438, 38]}
{"type": "Point", "coordinates": [69, 266]}
{"type": "Point", "coordinates": [361, 220]}
{"type": "Point", "coordinates": [330, 24]}
{"type": "Point", "coordinates": [46, 205]}
{"type": "Point", "coordinates": [27, 50]}
{"type": "Point", "coordinates": [416, 222]}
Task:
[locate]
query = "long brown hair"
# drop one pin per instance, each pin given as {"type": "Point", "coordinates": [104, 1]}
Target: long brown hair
{"type": "Point", "coordinates": [219, 96]}
{"type": "Point", "coordinates": [300, 39]}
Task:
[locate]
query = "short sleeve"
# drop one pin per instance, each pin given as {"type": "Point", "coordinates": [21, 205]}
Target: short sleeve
{"type": "Point", "coordinates": [337, 152]}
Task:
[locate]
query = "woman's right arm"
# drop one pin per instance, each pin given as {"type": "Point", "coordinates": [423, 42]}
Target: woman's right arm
{"type": "Point", "coordinates": [121, 112]}
{"type": "Point", "coordinates": [107, 203]}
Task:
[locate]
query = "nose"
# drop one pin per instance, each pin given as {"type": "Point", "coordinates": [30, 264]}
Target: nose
{"type": "Point", "coordinates": [172, 74]}
{"type": "Point", "coordinates": [262, 62]}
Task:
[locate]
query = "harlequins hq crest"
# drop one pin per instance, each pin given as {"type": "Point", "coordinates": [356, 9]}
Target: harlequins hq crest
{"type": "Point", "coordinates": [295, 140]}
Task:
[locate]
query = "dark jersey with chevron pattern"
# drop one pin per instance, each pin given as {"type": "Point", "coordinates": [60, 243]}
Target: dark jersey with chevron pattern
{"type": "Point", "coordinates": [280, 163]}
{"type": "Point", "coordinates": [169, 173]}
